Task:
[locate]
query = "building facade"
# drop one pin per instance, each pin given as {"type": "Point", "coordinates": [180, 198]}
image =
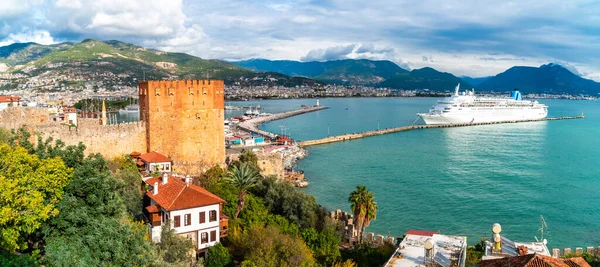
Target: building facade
{"type": "Point", "coordinates": [184, 119]}
{"type": "Point", "coordinates": [190, 210]}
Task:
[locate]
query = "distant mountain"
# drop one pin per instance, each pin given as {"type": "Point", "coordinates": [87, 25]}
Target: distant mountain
{"type": "Point", "coordinates": [113, 63]}
{"type": "Point", "coordinates": [425, 78]}
{"type": "Point", "coordinates": [475, 81]}
{"type": "Point", "coordinates": [347, 71]}
{"type": "Point", "coordinates": [550, 78]}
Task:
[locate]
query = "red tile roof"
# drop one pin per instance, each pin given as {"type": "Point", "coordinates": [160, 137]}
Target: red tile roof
{"type": "Point", "coordinates": [176, 195]}
{"type": "Point", "coordinates": [152, 209]}
{"type": "Point", "coordinates": [421, 233]}
{"type": "Point", "coordinates": [534, 260]}
{"type": "Point", "coordinates": [154, 157]}
{"type": "Point", "coordinates": [8, 99]}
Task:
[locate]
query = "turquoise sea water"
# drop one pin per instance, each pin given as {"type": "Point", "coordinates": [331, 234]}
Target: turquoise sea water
{"type": "Point", "coordinates": [457, 180]}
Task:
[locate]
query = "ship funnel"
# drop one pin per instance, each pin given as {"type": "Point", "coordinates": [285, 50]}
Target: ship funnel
{"type": "Point", "coordinates": [516, 95]}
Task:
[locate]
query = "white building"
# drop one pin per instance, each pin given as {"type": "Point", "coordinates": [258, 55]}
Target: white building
{"type": "Point", "coordinates": [155, 162]}
{"type": "Point", "coordinates": [192, 211]}
{"type": "Point", "coordinates": [9, 101]}
{"type": "Point", "coordinates": [424, 248]}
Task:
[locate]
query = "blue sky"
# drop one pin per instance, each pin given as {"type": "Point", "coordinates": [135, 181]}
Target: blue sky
{"type": "Point", "coordinates": [475, 38]}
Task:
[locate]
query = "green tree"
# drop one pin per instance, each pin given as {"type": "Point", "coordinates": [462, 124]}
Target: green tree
{"type": "Point", "coordinates": [324, 245]}
{"type": "Point", "coordinates": [218, 256]}
{"type": "Point", "coordinates": [173, 248]}
{"type": "Point", "coordinates": [243, 177]}
{"type": "Point", "coordinates": [267, 246]}
{"type": "Point", "coordinates": [30, 189]}
{"type": "Point", "coordinates": [92, 228]}
{"type": "Point", "coordinates": [364, 208]}
{"type": "Point", "coordinates": [249, 157]}
{"type": "Point", "coordinates": [125, 170]}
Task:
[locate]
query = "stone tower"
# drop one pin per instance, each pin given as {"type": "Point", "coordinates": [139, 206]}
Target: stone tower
{"type": "Point", "coordinates": [103, 119]}
{"type": "Point", "coordinates": [184, 119]}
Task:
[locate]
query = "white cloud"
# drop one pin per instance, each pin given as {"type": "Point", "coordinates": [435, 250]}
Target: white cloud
{"type": "Point", "coordinates": [497, 36]}
{"type": "Point", "coordinates": [38, 36]}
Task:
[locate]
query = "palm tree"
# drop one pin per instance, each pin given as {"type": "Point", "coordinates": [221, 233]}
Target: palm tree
{"type": "Point", "coordinates": [243, 177]}
{"type": "Point", "coordinates": [364, 208]}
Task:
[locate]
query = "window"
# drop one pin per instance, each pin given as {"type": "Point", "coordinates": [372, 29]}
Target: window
{"type": "Point", "coordinates": [213, 236]}
{"type": "Point", "coordinates": [187, 219]}
{"type": "Point", "coordinates": [177, 220]}
{"type": "Point", "coordinates": [202, 217]}
{"type": "Point", "coordinates": [212, 216]}
{"type": "Point", "coordinates": [203, 238]}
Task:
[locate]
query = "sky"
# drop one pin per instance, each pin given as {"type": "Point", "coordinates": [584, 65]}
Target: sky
{"type": "Point", "coordinates": [472, 38]}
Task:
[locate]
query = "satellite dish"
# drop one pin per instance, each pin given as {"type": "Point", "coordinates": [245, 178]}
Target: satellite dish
{"type": "Point", "coordinates": [496, 228]}
{"type": "Point", "coordinates": [545, 242]}
{"type": "Point", "coordinates": [428, 244]}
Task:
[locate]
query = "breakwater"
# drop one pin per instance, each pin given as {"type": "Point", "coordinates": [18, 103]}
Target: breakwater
{"type": "Point", "coordinates": [346, 137]}
{"type": "Point", "coordinates": [251, 125]}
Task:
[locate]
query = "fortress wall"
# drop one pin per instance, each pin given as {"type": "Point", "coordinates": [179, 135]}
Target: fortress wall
{"type": "Point", "coordinates": [110, 140]}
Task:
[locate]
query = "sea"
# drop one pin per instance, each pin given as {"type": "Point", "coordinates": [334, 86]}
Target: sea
{"type": "Point", "coordinates": [458, 181]}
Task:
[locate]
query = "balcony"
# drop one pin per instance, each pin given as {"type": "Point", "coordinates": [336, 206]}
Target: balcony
{"type": "Point", "coordinates": [223, 225]}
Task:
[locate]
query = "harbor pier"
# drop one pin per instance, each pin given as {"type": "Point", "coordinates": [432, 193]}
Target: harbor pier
{"type": "Point", "coordinates": [251, 125]}
{"type": "Point", "coordinates": [346, 137]}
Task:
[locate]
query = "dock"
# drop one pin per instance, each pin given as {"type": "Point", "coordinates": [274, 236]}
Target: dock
{"type": "Point", "coordinates": [251, 125]}
{"type": "Point", "coordinates": [346, 137]}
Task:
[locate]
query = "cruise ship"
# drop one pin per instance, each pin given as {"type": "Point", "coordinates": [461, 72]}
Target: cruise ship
{"type": "Point", "coordinates": [465, 107]}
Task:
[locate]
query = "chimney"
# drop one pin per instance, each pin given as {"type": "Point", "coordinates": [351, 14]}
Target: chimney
{"type": "Point", "coordinates": [187, 180]}
{"type": "Point", "coordinates": [155, 188]}
{"type": "Point", "coordinates": [165, 178]}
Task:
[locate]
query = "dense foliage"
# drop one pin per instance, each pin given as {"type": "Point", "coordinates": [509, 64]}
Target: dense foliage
{"type": "Point", "coordinates": [111, 105]}
{"type": "Point", "coordinates": [593, 260]}
{"type": "Point", "coordinates": [85, 222]}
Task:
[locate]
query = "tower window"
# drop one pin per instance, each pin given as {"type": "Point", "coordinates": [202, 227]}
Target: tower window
{"type": "Point", "coordinates": [191, 91]}
{"type": "Point", "coordinates": [171, 91]}
{"type": "Point", "coordinates": [198, 116]}
{"type": "Point", "coordinates": [157, 91]}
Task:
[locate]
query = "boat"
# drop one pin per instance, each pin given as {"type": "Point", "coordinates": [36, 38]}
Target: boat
{"type": "Point", "coordinates": [252, 111]}
{"type": "Point", "coordinates": [465, 107]}
{"type": "Point", "coordinates": [130, 109]}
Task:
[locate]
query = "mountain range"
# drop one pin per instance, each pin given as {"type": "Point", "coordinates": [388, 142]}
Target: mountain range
{"type": "Point", "coordinates": [378, 73]}
{"type": "Point", "coordinates": [550, 78]}
{"type": "Point", "coordinates": [123, 64]}
{"type": "Point", "coordinates": [115, 63]}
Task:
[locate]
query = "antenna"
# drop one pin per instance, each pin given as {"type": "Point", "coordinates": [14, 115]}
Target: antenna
{"type": "Point", "coordinates": [544, 226]}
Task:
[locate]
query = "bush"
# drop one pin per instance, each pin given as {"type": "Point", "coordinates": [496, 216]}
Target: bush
{"type": "Point", "coordinates": [218, 256]}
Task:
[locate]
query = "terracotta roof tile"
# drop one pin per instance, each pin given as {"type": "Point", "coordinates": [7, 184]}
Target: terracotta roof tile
{"type": "Point", "coordinates": [576, 262]}
{"type": "Point", "coordinates": [175, 195]}
{"type": "Point", "coordinates": [8, 99]}
{"type": "Point", "coordinates": [534, 260]}
{"type": "Point", "coordinates": [154, 157]}
{"type": "Point", "coordinates": [152, 209]}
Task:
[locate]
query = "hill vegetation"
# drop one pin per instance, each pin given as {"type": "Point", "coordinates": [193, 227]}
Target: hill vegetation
{"type": "Point", "coordinates": [121, 63]}
{"type": "Point", "coordinates": [346, 72]}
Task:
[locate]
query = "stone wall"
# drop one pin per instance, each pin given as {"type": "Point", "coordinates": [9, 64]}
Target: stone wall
{"type": "Point", "coordinates": [184, 119]}
{"type": "Point", "coordinates": [271, 164]}
{"type": "Point", "coordinates": [110, 140]}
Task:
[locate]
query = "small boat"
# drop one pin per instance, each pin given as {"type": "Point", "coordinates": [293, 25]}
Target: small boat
{"type": "Point", "coordinates": [130, 109]}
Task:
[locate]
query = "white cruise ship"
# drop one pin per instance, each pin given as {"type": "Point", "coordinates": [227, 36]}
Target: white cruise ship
{"type": "Point", "coordinates": [467, 108]}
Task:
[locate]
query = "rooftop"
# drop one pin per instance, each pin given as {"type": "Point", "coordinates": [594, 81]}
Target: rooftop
{"type": "Point", "coordinates": [154, 157]}
{"type": "Point", "coordinates": [511, 248]}
{"type": "Point", "coordinates": [177, 195]}
{"type": "Point", "coordinates": [8, 99]}
{"type": "Point", "coordinates": [447, 250]}
{"type": "Point", "coordinates": [535, 260]}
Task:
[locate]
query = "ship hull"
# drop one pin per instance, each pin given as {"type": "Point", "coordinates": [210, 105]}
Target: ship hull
{"type": "Point", "coordinates": [453, 118]}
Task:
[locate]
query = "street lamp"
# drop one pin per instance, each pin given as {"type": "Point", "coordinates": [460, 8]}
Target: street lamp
{"type": "Point", "coordinates": [328, 130]}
